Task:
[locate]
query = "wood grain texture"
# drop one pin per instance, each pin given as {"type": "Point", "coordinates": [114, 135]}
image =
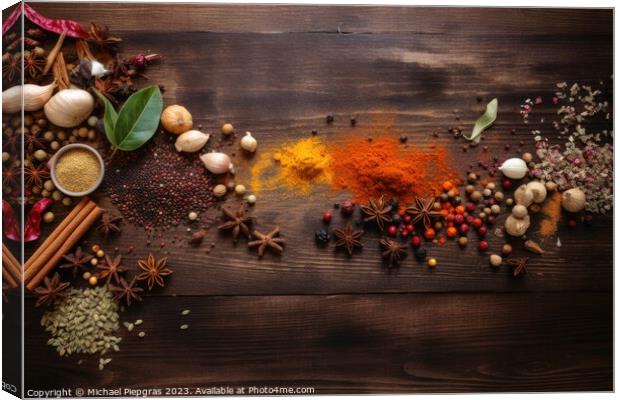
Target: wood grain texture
{"type": "Point", "coordinates": [313, 317]}
{"type": "Point", "coordinates": [355, 344]}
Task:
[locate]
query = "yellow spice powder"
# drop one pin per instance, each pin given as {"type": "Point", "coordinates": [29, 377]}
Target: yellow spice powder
{"type": "Point", "coordinates": [77, 170]}
{"type": "Point", "coordinates": [298, 165]}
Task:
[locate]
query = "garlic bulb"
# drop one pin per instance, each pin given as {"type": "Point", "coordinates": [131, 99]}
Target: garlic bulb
{"type": "Point", "coordinates": [35, 97]}
{"type": "Point", "coordinates": [517, 226]}
{"type": "Point", "coordinates": [523, 196]}
{"type": "Point", "coordinates": [539, 191]}
{"type": "Point", "coordinates": [514, 168]}
{"type": "Point", "coordinates": [69, 107]}
{"type": "Point", "coordinates": [248, 143]}
{"type": "Point", "coordinates": [574, 200]}
{"type": "Point", "coordinates": [216, 163]}
{"type": "Point", "coordinates": [191, 141]}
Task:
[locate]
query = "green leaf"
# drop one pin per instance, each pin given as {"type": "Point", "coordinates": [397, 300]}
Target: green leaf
{"type": "Point", "coordinates": [109, 118]}
{"type": "Point", "coordinates": [484, 121]}
{"type": "Point", "coordinates": [138, 119]}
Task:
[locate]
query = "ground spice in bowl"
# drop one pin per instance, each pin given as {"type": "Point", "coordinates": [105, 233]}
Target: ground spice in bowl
{"type": "Point", "coordinates": [77, 170]}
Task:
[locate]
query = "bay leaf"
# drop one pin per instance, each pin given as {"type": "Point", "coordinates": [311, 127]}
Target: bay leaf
{"type": "Point", "coordinates": [484, 121]}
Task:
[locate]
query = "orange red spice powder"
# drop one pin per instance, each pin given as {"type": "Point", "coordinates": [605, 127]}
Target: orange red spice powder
{"type": "Point", "coordinates": [383, 166]}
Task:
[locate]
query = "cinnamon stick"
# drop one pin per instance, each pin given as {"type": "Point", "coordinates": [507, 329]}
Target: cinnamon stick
{"type": "Point", "coordinates": [51, 57]}
{"type": "Point", "coordinates": [53, 248]}
{"type": "Point", "coordinates": [66, 246]}
{"type": "Point", "coordinates": [78, 207]}
{"type": "Point", "coordinates": [11, 270]}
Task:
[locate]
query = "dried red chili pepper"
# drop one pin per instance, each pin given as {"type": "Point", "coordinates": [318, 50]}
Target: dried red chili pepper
{"type": "Point", "coordinates": [10, 226]}
{"type": "Point", "coordinates": [71, 28]}
{"type": "Point", "coordinates": [32, 230]}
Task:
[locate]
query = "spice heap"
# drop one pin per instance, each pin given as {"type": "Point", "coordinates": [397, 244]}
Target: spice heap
{"type": "Point", "coordinates": [370, 169]}
{"type": "Point", "coordinates": [302, 165]}
{"type": "Point", "coordinates": [78, 170]}
{"type": "Point", "coordinates": [84, 322]}
{"type": "Point", "coordinates": [585, 160]}
{"type": "Point", "coordinates": [158, 186]}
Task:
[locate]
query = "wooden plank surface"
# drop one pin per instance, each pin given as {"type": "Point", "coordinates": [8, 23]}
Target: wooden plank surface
{"type": "Point", "coordinates": [354, 344]}
{"type": "Point", "coordinates": [314, 317]}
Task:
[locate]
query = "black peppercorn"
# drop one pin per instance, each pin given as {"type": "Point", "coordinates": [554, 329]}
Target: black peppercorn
{"type": "Point", "coordinates": [396, 219]}
{"type": "Point", "coordinates": [314, 132]}
{"type": "Point", "coordinates": [403, 138]}
{"type": "Point", "coordinates": [329, 119]}
{"type": "Point", "coordinates": [353, 121]}
{"type": "Point", "coordinates": [322, 236]}
{"type": "Point", "coordinates": [420, 253]}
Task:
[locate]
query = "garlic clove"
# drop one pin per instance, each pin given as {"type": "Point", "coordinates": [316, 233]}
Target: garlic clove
{"type": "Point", "coordinates": [514, 168]}
{"type": "Point", "coordinates": [248, 142]}
{"type": "Point", "coordinates": [216, 163]}
{"type": "Point", "coordinates": [69, 107]}
{"type": "Point", "coordinates": [191, 141]}
{"type": "Point", "coordinates": [35, 97]}
{"type": "Point", "coordinates": [97, 69]}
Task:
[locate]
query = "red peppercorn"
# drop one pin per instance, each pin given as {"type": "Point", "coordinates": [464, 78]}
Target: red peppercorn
{"type": "Point", "coordinates": [404, 233]}
{"type": "Point", "coordinates": [410, 228]}
{"type": "Point", "coordinates": [407, 219]}
{"type": "Point", "coordinates": [506, 184]}
{"type": "Point", "coordinates": [483, 245]}
{"type": "Point", "coordinates": [490, 219]}
{"type": "Point", "coordinates": [429, 234]}
{"type": "Point", "coordinates": [469, 219]}
{"type": "Point", "coordinates": [470, 207]}
{"type": "Point", "coordinates": [392, 230]}
{"type": "Point", "coordinates": [477, 222]}
{"type": "Point", "coordinates": [416, 241]}
{"type": "Point", "coordinates": [451, 232]}
{"type": "Point", "coordinates": [464, 228]}
{"type": "Point", "coordinates": [572, 224]}
{"type": "Point", "coordinates": [482, 231]}
{"type": "Point", "coordinates": [459, 219]}
{"type": "Point", "coordinates": [327, 217]}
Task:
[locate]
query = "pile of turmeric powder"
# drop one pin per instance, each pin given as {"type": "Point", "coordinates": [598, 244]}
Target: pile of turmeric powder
{"type": "Point", "coordinates": [299, 165]}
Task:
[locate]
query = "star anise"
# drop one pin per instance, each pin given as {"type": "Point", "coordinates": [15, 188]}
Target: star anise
{"type": "Point", "coordinates": [35, 175]}
{"type": "Point", "coordinates": [378, 211]}
{"type": "Point", "coordinates": [267, 240]}
{"type": "Point", "coordinates": [10, 175]}
{"type": "Point", "coordinates": [11, 67]}
{"type": "Point", "coordinates": [52, 290]}
{"type": "Point", "coordinates": [33, 64]}
{"type": "Point", "coordinates": [237, 222]}
{"type": "Point", "coordinates": [348, 238]}
{"type": "Point", "coordinates": [519, 265]}
{"type": "Point", "coordinates": [393, 252]}
{"type": "Point", "coordinates": [76, 260]}
{"type": "Point", "coordinates": [101, 37]}
{"type": "Point", "coordinates": [153, 271]}
{"type": "Point", "coordinates": [32, 140]}
{"type": "Point", "coordinates": [422, 210]}
{"type": "Point", "coordinates": [107, 88]}
{"type": "Point", "coordinates": [109, 223]}
{"type": "Point", "coordinates": [126, 291]}
{"type": "Point", "coordinates": [111, 268]}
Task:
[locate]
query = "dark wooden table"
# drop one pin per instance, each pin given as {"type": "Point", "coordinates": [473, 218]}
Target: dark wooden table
{"type": "Point", "coordinates": [312, 317]}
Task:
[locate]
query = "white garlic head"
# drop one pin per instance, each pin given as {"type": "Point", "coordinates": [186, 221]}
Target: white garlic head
{"type": "Point", "coordinates": [216, 163]}
{"type": "Point", "coordinates": [248, 142]}
{"type": "Point", "coordinates": [35, 97]}
{"type": "Point", "coordinates": [191, 141]}
{"type": "Point", "coordinates": [69, 107]}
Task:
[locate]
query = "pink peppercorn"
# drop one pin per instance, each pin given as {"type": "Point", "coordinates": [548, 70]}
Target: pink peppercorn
{"type": "Point", "coordinates": [483, 245]}
{"type": "Point", "coordinates": [459, 219]}
{"type": "Point", "coordinates": [471, 207]}
{"type": "Point", "coordinates": [404, 233]}
{"type": "Point", "coordinates": [482, 231]}
{"type": "Point", "coordinates": [410, 228]}
{"type": "Point", "coordinates": [392, 230]}
{"type": "Point", "coordinates": [506, 184]}
{"type": "Point", "coordinates": [464, 228]}
{"type": "Point", "coordinates": [327, 217]}
{"type": "Point", "coordinates": [407, 219]}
